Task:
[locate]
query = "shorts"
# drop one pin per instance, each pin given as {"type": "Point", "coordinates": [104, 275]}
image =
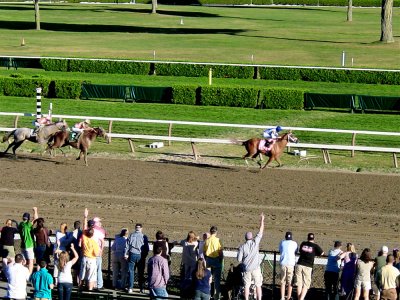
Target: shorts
{"type": "Point", "coordinates": [255, 274]}
{"type": "Point", "coordinates": [8, 252]}
{"type": "Point", "coordinates": [287, 274]}
{"type": "Point", "coordinates": [302, 277]}
{"type": "Point", "coordinates": [28, 253]}
{"type": "Point", "coordinates": [365, 285]}
{"type": "Point", "coordinates": [389, 294]}
{"type": "Point", "coordinates": [88, 269]}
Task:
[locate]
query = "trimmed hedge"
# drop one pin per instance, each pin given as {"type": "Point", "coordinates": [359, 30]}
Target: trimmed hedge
{"type": "Point", "coordinates": [68, 89]}
{"type": "Point", "coordinates": [24, 87]}
{"type": "Point", "coordinates": [229, 96]}
{"type": "Point", "coordinates": [184, 94]}
{"type": "Point", "coordinates": [276, 98]}
{"type": "Point", "coordinates": [330, 75]}
{"type": "Point", "coordinates": [50, 64]}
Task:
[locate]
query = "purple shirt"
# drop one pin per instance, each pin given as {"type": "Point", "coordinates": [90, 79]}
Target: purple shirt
{"type": "Point", "coordinates": [157, 268]}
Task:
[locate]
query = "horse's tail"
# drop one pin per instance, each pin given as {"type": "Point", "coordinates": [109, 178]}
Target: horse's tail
{"type": "Point", "coordinates": [238, 142]}
{"type": "Point", "coordinates": [7, 135]}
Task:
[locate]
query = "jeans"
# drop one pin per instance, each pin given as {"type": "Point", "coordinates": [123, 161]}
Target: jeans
{"type": "Point", "coordinates": [119, 267]}
{"type": "Point", "coordinates": [216, 270]}
{"type": "Point", "coordinates": [64, 290]}
{"type": "Point", "coordinates": [158, 292]}
{"type": "Point", "coordinates": [331, 284]}
{"type": "Point", "coordinates": [133, 262]}
{"type": "Point", "coordinates": [40, 253]}
{"type": "Point", "coordinates": [99, 261]}
{"type": "Point", "coordinates": [199, 295]}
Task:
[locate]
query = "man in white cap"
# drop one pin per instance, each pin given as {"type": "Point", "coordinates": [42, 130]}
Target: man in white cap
{"type": "Point", "coordinates": [380, 261]}
{"type": "Point", "coordinates": [249, 257]}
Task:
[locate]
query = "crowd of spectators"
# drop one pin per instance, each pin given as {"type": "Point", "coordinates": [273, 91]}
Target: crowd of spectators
{"type": "Point", "coordinates": [75, 259]}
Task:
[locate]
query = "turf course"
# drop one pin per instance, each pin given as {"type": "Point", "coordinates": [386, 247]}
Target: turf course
{"type": "Point", "coordinates": [262, 35]}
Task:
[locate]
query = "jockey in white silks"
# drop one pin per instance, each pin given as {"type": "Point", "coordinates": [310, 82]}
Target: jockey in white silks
{"type": "Point", "coordinates": [39, 123]}
{"type": "Point", "coordinates": [79, 127]}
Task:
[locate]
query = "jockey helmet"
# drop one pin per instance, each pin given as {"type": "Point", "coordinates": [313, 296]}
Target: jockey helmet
{"type": "Point", "coordinates": [278, 128]}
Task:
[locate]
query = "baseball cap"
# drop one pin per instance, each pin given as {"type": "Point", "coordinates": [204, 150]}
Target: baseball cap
{"type": "Point", "coordinates": [385, 249]}
{"type": "Point", "coordinates": [248, 235]}
{"type": "Point", "coordinates": [310, 236]}
{"type": "Point", "coordinates": [26, 216]}
{"type": "Point", "coordinates": [90, 223]}
{"type": "Point", "coordinates": [96, 219]}
{"type": "Point", "coordinates": [213, 229]}
{"type": "Point", "coordinates": [288, 235]}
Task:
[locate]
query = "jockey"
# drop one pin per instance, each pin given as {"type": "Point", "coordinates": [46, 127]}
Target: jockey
{"type": "Point", "coordinates": [271, 134]}
{"type": "Point", "coordinates": [40, 122]}
{"type": "Point", "coordinates": [79, 127]}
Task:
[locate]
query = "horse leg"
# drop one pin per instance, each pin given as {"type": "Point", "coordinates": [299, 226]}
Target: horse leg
{"type": "Point", "coordinates": [9, 146]}
{"type": "Point", "coordinates": [16, 146]}
{"type": "Point", "coordinates": [268, 162]}
{"type": "Point", "coordinates": [85, 157]}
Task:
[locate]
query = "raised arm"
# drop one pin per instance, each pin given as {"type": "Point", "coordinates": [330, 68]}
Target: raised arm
{"type": "Point", "coordinates": [76, 256]}
{"type": "Point", "coordinates": [85, 216]}
{"type": "Point", "coordinates": [35, 214]}
{"type": "Point", "coordinates": [261, 230]}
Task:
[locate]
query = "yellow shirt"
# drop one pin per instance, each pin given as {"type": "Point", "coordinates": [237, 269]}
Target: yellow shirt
{"type": "Point", "coordinates": [213, 247]}
{"type": "Point", "coordinates": [90, 248]}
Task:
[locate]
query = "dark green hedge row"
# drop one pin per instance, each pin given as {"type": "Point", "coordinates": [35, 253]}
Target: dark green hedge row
{"type": "Point", "coordinates": [282, 98]}
{"type": "Point", "coordinates": [26, 87]}
{"type": "Point", "coordinates": [229, 96]}
{"type": "Point", "coordinates": [95, 66]}
{"type": "Point", "coordinates": [328, 75]}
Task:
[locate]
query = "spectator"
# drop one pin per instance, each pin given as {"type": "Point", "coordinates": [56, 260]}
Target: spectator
{"type": "Point", "coordinates": [136, 251]}
{"type": "Point", "coordinates": [99, 236]}
{"type": "Point", "coordinates": [41, 234]}
{"type": "Point", "coordinates": [75, 237]}
{"type": "Point", "coordinates": [42, 282]}
{"type": "Point", "coordinates": [349, 270]}
{"type": "Point", "coordinates": [64, 271]}
{"type": "Point", "coordinates": [63, 238]}
{"type": "Point", "coordinates": [388, 279]}
{"type": "Point", "coordinates": [287, 250]}
{"type": "Point", "coordinates": [363, 275]}
{"type": "Point", "coordinates": [7, 239]}
{"type": "Point", "coordinates": [190, 248]}
{"type": "Point", "coordinates": [205, 236]}
{"type": "Point", "coordinates": [119, 263]}
{"type": "Point", "coordinates": [249, 256]}
{"type": "Point", "coordinates": [158, 274]}
{"type": "Point", "coordinates": [214, 256]}
{"type": "Point", "coordinates": [161, 242]}
{"type": "Point", "coordinates": [17, 277]}
{"type": "Point", "coordinates": [380, 261]}
{"type": "Point", "coordinates": [202, 281]}
{"type": "Point", "coordinates": [25, 230]}
{"type": "Point", "coordinates": [331, 275]}
{"type": "Point", "coordinates": [90, 250]}
{"type": "Point", "coordinates": [396, 254]}
{"type": "Point", "coordinates": [308, 250]}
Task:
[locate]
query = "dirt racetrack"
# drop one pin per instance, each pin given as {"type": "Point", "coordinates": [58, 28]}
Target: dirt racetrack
{"type": "Point", "coordinates": [177, 197]}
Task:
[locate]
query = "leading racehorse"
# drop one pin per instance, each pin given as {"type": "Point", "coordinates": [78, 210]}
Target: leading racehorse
{"type": "Point", "coordinates": [254, 148]}
{"type": "Point", "coordinates": [61, 139]}
{"type": "Point", "coordinates": [21, 135]}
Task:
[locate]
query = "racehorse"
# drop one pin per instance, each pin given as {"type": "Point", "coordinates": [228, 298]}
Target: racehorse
{"type": "Point", "coordinates": [21, 135]}
{"type": "Point", "coordinates": [253, 149]}
{"type": "Point", "coordinates": [61, 139]}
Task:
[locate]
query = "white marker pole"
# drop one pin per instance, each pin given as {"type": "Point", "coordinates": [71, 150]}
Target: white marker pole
{"type": "Point", "coordinates": [343, 58]}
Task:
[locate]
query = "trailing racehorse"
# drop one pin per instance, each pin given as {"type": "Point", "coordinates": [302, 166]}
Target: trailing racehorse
{"type": "Point", "coordinates": [21, 135]}
{"type": "Point", "coordinates": [255, 148]}
{"type": "Point", "coordinates": [61, 139]}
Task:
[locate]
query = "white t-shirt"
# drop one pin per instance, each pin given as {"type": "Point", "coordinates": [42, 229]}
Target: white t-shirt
{"type": "Point", "coordinates": [17, 276]}
{"type": "Point", "coordinates": [288, 249]}
{"type": "Point", "coordinates": [65, 275]}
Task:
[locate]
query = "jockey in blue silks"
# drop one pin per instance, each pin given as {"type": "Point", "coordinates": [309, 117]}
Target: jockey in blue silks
{"type": "Point", "coordinates": [272, 133]}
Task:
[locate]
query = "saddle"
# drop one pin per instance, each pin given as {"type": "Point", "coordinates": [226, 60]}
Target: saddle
{"type": "Point", "coordinates": [74, 136]}
{"type": "Point", "coordinates": [266, 145]}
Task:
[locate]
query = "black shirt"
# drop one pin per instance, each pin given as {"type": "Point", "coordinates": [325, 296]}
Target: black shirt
{"type": "Point", "coordinates": [308, 251]}
{"type": "Point", "coordinates": [7, 235]}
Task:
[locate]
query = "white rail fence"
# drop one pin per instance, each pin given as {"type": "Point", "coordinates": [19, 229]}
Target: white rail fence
{"type": "Point", "coordinates": [130, 137]}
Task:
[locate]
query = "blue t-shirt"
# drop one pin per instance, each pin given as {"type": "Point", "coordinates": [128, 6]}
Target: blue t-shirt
{"type": "Point", "coordinates": [333, 264]}
{"type": "Point", "coordinates": [203, 285]}
{"type": "Point", "coordinates": [287, 249]}
{"type": "Point", "coordinates": [41, 281]}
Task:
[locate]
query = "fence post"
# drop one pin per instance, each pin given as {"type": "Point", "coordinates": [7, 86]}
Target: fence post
{"type": "Point", "coordinates": [109, 131]}
{"type": "Point", "coordinates": [16, 121]}
{"type": "Point", "coordinates": [273, 277]}
{"type": "Point", "coordinates": [169, 133]}
{"type": "Point", "coordinates": [353, 142]}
